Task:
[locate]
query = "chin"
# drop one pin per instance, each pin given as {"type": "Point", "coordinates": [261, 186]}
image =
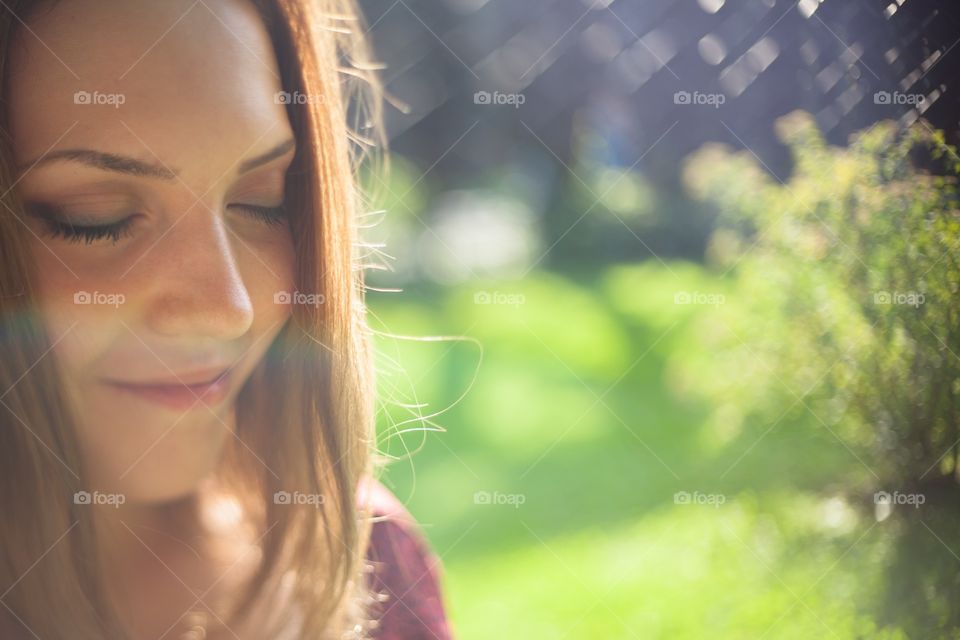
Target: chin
{"type": "Point", "coordinates": [173, 488]}
{"type": "Point", "coordinates": [159, 479]}
{"type": "Point", "coordinates": [158, 466]}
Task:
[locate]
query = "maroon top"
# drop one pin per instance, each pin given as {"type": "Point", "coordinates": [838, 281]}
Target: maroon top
{"type": "Point", "coordinates": [406, 571]}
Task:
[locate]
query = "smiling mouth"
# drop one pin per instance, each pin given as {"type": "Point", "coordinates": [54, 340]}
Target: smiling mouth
{"type": "Point", "coordinates": [183, 396]}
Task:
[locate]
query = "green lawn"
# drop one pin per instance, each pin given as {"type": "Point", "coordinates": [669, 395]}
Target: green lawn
{"type": "Point", "coordinates": [582, 420]}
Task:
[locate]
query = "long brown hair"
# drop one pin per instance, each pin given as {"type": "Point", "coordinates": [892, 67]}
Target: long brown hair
{"type": "Point", "coordinates": [306, 412]}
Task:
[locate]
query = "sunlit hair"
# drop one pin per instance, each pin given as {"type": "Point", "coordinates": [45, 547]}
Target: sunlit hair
{"type": "Point", "coordinates": [305, 416]}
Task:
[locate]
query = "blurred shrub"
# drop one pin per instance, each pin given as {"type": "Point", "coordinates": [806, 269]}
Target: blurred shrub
{"type": "Point", "coordinates": [850, 274]}
{"type": "Point", "coordinates": [847, 326]}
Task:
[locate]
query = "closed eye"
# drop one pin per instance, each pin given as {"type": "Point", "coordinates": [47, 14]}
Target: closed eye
{"type": "Point", "coordinates": [88, 233]}
{"type": "Point", "coordinates": [58, 225]}
{"type": "Point", "coordinates": [269, 215]}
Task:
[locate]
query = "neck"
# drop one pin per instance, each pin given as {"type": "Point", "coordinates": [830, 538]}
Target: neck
{"type": "Point", "coordinates": [133, 534]}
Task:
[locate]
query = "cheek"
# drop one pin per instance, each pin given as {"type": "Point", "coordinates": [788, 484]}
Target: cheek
{"type": "Point", "coordinates": [267, 270]}
{"type": "Point", "coordinates": [82, 312]}
{"type": "Point", "coordinates": [84, 317]}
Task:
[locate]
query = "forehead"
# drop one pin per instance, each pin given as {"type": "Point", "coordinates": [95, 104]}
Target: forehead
{"type": "Point", "coordinates": [192, 83]}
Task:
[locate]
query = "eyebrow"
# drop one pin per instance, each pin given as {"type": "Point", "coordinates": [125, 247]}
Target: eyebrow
{"type": "Point", "coordinates": [105, 162]}
{"type": "Point", "coordinates": [278, 151]}
{"type": "Point", "coordinates": [132, 166]}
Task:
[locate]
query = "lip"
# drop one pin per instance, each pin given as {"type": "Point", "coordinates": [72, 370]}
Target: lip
{"type": "Point", "coordinates": [210, 387]}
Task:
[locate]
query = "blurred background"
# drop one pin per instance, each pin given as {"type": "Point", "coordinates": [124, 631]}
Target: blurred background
{"type": "Point", "coordinates": [668, 332]}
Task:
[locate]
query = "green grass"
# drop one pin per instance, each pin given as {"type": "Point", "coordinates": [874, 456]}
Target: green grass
{"type": "Point", "coordinates": [681, 572]}
{"type": "Point", "coordinates": [584, 407]}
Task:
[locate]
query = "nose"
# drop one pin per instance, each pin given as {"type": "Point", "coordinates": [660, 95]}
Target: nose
{"type": "Point", "coordinates": [198, 288]}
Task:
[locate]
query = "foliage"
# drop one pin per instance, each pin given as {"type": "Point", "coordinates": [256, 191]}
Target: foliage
{"type": "Point", "coordinates": [852, 270]}
{"type": "Point", "coordinates": [847, 324]}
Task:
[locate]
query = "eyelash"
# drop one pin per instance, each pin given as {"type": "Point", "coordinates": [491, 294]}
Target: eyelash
{"type": "Point", "coordinates": [89, 234]}
{"type": "Point", "coordinates": [269, 215]}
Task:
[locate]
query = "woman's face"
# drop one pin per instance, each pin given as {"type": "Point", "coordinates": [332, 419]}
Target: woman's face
{"type": "Point", "coordinates": [154, 150]}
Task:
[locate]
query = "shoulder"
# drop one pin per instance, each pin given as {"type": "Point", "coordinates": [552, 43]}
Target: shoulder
{"type": "Point", "coordinates": [406, 572]}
